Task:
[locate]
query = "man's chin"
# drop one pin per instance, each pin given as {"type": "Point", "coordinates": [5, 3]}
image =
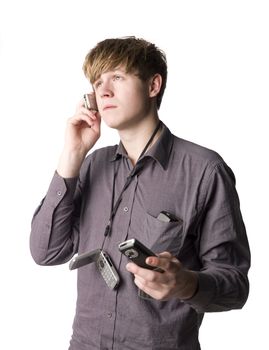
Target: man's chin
{"type": "Point", "coordinates": [112, 125]}
{"type": "Point", "coordinates": [119, 125]}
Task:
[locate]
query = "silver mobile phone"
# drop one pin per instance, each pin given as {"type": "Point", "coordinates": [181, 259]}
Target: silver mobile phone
{"type": "Point", "coordinates": [90, 101]}
{"type": "Point", "coordinates": [107, 270]}
{"type": "Point", "coordinates": [103, 263]}
{"type": "Point", "coordinates": [84, 259]}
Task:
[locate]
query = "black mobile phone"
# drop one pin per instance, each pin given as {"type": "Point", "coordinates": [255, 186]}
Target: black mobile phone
{"type": "Point", "coordinates": [137, 253]}
{"type": "Point", "coordinates": [165, 216]}
{"type": "Point", "coordinates": [90, 101]}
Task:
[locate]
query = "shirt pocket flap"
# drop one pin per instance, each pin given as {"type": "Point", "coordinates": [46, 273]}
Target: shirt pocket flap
{"type": "Point", "coordinates": [163, 236]}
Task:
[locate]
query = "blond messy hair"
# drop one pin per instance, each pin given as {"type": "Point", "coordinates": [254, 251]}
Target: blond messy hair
{"type": "Point", "coordinates": [136, 55]}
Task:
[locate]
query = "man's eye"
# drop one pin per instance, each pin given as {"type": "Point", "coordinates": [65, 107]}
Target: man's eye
{"type": "Point", "coordinates": [97, 84]}
{"type": "Point", "coordinates": [117, 77]}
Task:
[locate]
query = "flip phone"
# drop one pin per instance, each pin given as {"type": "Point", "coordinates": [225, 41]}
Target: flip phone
{"type": "Point", "coordinates": [84, 259]}
{"type": "Point", "coordinates": [107, 270]}
{"type": "Point", "coordinates": [103, 263]}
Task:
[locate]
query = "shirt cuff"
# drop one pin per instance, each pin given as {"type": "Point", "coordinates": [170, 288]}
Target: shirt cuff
{"type": "Point", "coordinates": [205, 293]}
{"type": "Point", "coordinates": [61, 189]}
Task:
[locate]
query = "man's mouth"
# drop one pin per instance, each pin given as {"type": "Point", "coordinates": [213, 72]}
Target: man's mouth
{"type": "Point", "coordinates": [109, 107]}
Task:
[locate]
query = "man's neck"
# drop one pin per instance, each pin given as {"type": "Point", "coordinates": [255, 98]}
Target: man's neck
{"type": "Point", "coordinates": [135, 139]}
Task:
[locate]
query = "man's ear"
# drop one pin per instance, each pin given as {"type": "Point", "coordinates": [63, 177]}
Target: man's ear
{"type": "Point", "coordinates": [155, 84]}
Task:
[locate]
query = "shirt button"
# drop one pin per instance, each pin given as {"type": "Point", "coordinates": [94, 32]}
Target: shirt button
{"type": "Point", "coordinates": [59, 193]}
{"type": "Point", "coordinates": [125, 209]}
{"type": "Point", "coordinates": [109, 314]}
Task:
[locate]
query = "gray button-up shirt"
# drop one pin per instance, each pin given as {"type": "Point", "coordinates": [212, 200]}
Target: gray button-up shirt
{"type": "Point", "coordinates": [180, 177]}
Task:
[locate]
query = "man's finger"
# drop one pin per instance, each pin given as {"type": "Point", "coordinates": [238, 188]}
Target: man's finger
{"type": "Point", "coordinates": [164, 261]}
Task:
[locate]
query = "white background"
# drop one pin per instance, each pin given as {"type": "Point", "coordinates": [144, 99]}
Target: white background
{"type": "Point", "coordinates": [217, 96]}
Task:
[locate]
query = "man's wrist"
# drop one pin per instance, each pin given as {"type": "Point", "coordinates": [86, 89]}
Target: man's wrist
{"type": "Point", "coordinates": [191, 287]}
{"type": "Point", "coordinates": [69, 164]}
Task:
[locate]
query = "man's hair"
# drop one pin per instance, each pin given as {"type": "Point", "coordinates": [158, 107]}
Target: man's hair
{"type": "Point", "coordinates": [138, 56]}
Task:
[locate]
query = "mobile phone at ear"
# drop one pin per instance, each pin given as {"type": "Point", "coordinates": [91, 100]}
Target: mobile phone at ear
{"type": "Point", "coordinates": [90, 101]}
{"type": "Point", "coordinates": [134, 250]}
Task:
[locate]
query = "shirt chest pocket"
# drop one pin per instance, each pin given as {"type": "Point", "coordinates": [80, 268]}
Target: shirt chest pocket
{"type": "Point", "coordinates": [162, 236]}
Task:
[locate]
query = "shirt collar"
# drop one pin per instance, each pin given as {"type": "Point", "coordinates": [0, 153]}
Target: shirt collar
{"type": "Point", "coordinates": [160, 151]}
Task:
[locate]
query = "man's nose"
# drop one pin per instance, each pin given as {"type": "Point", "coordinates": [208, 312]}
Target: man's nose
{"type": "Point", "coordinates": [106, 89]}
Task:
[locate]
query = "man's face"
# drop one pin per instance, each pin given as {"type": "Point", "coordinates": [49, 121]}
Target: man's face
{"type": "Point", "coordinates": [123, 98]}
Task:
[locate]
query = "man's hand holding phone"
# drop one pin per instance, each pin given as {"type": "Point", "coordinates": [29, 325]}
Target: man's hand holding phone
{"type": "Point", "coordinates": [173, 282]}
{"type": "Point", "coordinates": [82, 132]}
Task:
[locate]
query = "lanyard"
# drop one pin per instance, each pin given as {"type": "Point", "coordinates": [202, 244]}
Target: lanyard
{"type": "Point", "coordinates": [135, 171]}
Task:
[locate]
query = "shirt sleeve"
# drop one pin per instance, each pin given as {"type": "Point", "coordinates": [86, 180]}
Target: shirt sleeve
{"type": "Point", "coordinates": [223, 247]}
{"type": "Point", "coordinates": [55, 230]}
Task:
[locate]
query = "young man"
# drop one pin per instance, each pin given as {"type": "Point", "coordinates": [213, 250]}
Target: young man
{"type": "Point", "coordinates": [180, 201]}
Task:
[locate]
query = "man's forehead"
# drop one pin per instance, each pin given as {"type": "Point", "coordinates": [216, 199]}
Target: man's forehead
{"type": "Point", "coordinates": [112, 70]}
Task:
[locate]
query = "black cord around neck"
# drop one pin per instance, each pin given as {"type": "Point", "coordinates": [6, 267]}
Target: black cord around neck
{"type": "Point", "coordinates": [135, 171]}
